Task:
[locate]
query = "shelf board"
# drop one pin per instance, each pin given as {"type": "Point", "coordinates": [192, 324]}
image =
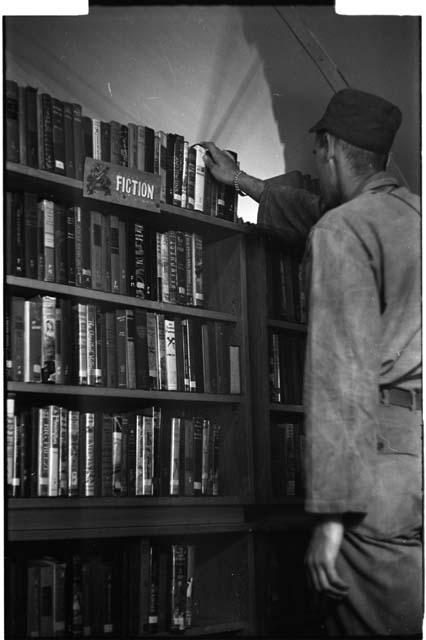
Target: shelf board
{"type": "Point", "coordinates": [108, 392]}
{"type": "Point", "coordinates": [209, 629]}
{"type": "Point", "coordinates": [285, 408]}
{"type": "Point", "coordinates": [54, 288]}
{"type": "Point", "coordinates": [286, 325]}
{"type": "Point", "coordinates": [32, 176]}
{"type": "Point", "coordinates": [62, 518]}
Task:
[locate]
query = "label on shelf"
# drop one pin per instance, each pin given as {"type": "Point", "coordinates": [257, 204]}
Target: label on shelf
{"type": "Point", "coordinates": [121, 185]}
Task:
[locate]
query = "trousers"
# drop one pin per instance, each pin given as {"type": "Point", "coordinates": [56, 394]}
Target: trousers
{"type": "Point", "coordinates": [381, 556]}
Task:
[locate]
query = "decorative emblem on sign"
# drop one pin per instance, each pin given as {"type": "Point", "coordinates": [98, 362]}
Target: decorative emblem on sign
{"type": "Point", "coordinates": [121, 185]}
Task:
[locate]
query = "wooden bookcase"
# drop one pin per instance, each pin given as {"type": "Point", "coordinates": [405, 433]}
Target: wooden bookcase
{"type": "Point", "coordinates": [285, 606]}
{"type": "Point", "coordinates": [225, 602]}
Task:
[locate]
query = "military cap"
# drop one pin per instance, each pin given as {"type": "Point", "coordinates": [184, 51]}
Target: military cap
{"type": "Point", "coordinates": [362, 119]}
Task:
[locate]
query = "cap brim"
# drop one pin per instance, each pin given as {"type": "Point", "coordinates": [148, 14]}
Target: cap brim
{"type": "Point", "coordinates": [319, 126]}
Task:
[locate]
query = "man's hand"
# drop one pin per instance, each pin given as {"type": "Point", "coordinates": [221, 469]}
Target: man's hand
{"type": "Point", "coordinates": [221, 163]}
{"type": "Point", "coordinates": [321, 557]}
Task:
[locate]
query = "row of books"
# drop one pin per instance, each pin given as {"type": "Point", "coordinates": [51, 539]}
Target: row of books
{"type": "Point", "coordinates": [287, 295]}
{"type": "Point", "coordinates": [53, 340]}
{"type": "Point", "coordinates": [71, 245]}
{"type": "Point", "coordinates": [81, 595]}
{"type": "Point", "coordinates": [53, 135]}
{"type": "Point", "coordinates": [53, 451]}
{"type": "Point", "coordinates": [287, 450]}
{"type": "Point", "coordinates": [286, 364]}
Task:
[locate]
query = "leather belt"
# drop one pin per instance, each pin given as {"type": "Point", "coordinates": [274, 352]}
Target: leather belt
{"type": "Point", "coordinates": [410, 399]}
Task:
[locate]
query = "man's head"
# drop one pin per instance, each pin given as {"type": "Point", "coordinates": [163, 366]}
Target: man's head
{"type": "Point", "coordinates": [352, 142]}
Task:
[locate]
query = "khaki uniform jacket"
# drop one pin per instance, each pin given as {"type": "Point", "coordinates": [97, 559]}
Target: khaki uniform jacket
{"type": "Point", "coordinates": [362, 265]}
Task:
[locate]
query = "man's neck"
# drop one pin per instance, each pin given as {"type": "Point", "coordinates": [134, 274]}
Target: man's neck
{"type": "Point", "coordinates": [353, 185]}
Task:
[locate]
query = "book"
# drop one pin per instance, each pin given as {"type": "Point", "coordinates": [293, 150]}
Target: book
{"type": "Point", "coordinates": [190, 574]}
{"type": "Point", "coordinates": [199, 178]}
{"type": "Point", "coordinates": [198, 455]}
{"type": "Point", "coordinates": [117, 432]}
{"type": "Point", "coordinates": [115, 141]}
{"type": "Point", "coordinates": [161, 350]}
{"type": "Point", "coordinates": [105, 141]}
{"type": "Point", "coordinates": [172, 263]}
{"type": "Point", "coordinates": [92, 373]}
{"type": "Point", "coordinates": [77, 131]}
{"type": "Point", "coordinates": [141, 349]}
{"type": "Point", "coordinates": [58, 135]}
{"type": "Point", "coordinates": [18, 336]}
{"type": "Point", "coordinates": [115, 256]}
{"type": "Point", "coordinates": [178, 170]}
{"type": "Point", "coordinates": [96, 139]}
{"type": "Point", "coordinates": [10, 441]}
{"type": "Point", "coordinates": [188, 480]}
{"type": "Point", "coordinates": [70, 246]}
{"type": "Point", "coordinates": [154, 583]}
{"type": "Point", "coordinates": [175, 457]}
{"type": "Point", "coordinates": [22, 125]}
{"type": "Point", "coordinates": [153, 372]}
{"type": "Point", "coordinates": [42, 452]}
{"type": "Point", "coordinates": [53, 454]}
{"type": "Point", "coordinates": [12, 121]}
{"type": "Point", "coordinates": [140, 144]}
{"type": "Point", "coordinates": [87, 137]}
{"type": "Point", "coordinates": [83, 221]}
{"type": "Point", "coordinates": [96, 251]}
{"type": "Point", "coordinates": [170, 342]}
{"type": "Point", "coordinates": [189, 269]}
{"type": "Point", "coordinates": [63, 453]}
{"type": "Point", "coordinates": [46, 222]}
{"type": "Point", "coordinates": [133, 145]}
{"type": "Point", "coordinates": [87, 457]}
{"type": "Point", "coordinates": [30, 235]}
{"type": "Point", "coordinates": [69, 140]}
{"type": "Point", "coordinates": [171, 141]}
{"type": "Point", "coordinates": [205, 456]}
{"type": "Point", "coordinates": [40, 133]}
{"type": "Point", "coordinates": [122, 252]}
{"type": "Point", "coordinates": [48, 339]}
{"type": "Point", "coordinates": [60, 243]}
{"type": "Point", "coordinates": [80, 337]}
{"type": "Point", "coordinates": [139, 246]}
{"type": "Point", "coordinates": [16, 208]}
{"type": "Point", "coordinates": [178, 586]}
{"type": "Point", "coordinates": [32, 355]}
{"type": "Point", "coordinates": [31, 127]}
{"type": "Point", "coordinates": [197, 267]}
{"type": "Point", "coordinates": [73, 462]}
{"type": "Point", "coordinates": [184, 200]}
{"type": "Point", "coordinates": [124, 145]}
{"type": "Point", "coordinates": [138, 560]}
{"type": "Point", "coordinates": [190, 189]}
{"type": "Point", "coordinates": [181, 297]}
{"type": "Point", "coordinates": [149, 149]}
{"type": "Point", "coordinates": [110, 349]}
{"type": "Point", "coordinates": [33, 600]}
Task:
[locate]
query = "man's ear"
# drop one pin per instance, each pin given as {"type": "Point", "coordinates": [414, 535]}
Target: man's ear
{"type": "Point", "coordinates": [330, 142]}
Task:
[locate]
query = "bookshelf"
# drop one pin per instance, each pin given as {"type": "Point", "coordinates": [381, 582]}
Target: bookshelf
{"type": "Point", "coordinates": [109, 530]}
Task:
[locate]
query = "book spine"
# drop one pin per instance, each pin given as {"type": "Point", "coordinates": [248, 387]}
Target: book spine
{"type": "Point", "coordinates": [165, 277]}
{"type": "Point", "coordinates": [53, 461]}
{"type": "Point", "coordinates": [18, 237]}
{"type": "Point", "coordinates": [69, 141]}
{"type": "Point", "coordinates": [47, 212]}
{"type": "Point", "coordinates": [115, 142]}
{"type": "Point", "coordinates": [78, 247]}
{"type": "Point", "coordinates": [139, 456]}
{"type": "Point", "coordinates": [189, 286]}
{"type": "Point", "coordinates": [115, 257]}
{"type": "Point", "coordinates": [130, 349]}
{"type": "Point", "coordinates": [131, 455]}
{"type": "Point", "coordinates": [30, 235]}
{"type": "Point", "coordinates": [141, 349]}
{"type": "Point", "coordinates": [100, 353]}
{"type": "Point", "coordinates": [185, 174]}
{"type": "Point", "coordinates": [154, 579]}
{"type": "Point", "coordinates": [85, 240]}
{"type": "Point", "coordinates": [117, 433]}
{"type": "Point", "coordinates": [33, 340]}
{"type": "Point", "coordinates": [191, 178]}
{"type": "Point", "coordinates": [40, 134]}
{"type": "Point", "coordinates": [189, 458]}
{"type": "Point", "coordinates": [174, 487]}
{"type": "Point", "coordinates": [87, 455]}
{"type": "Point", "coordinates": [43, 452]}
{"type": "Point", "coordinates": [199, 178]}
{"type": "Point", "coordinates": [171, 139]}
{"type": "Point", "coordinates": [106, 455]}
{"type": "Point", "coordinates": [178, 587]}
{"type": "Point", "coordinates": [133, 147]}
{"type": "Point", "coordinates": [161, 350]}
{"type": "Point", "coordinates": [186, 355]}
{"type": "Point", "coordinates": [70, 246]}
{"type": "Point", "coordinates": [122, 244]}
{"type": "Point", "coordinates": [147, 455]}
{"type": "Point", "coordinates": [153, 371]}
{"type": "Point", "coordinates": [197, 270]}
{"type": "Point", "coordinates": [63, 453]}
{"type": "Point", "coordinates": [190, 571]}
{"type": "Point", "coordinates": [158, 236]}
{"type": "Point", "coordinates": [111, 342]}
{"type": "Point", "coordinates": [205, 463]}
{"type": "Point", "coordinates": [45, 133]}
{"type": "Point", "coordinates": [91, 343]}
{"type": "Point", "coordinates": [10, 436]}
{"type": "Point", "coordinates": [77, 131]}
{"type": "Point", "coordinates": [106, 252]}
{"type": "Point", "coordinates": [121, 342]}
{"type": "Point", "coordinates": [60, 247]}
{"type": "Point", "coordinates": [170, 337]}
{"type": "Point", "coordinates": [73, 461]}
{"type": "Point", "coordinates": [124, 146]}
{"type": "Point", "coordinates": [124, 455]}
{"type": "Point", "coordinates": [149, 149]}
{"type": "Point", "coordinates": [31, 136]}
{"type": "Point", "coordinates": [87, 137]}
{"type": "Point", "coordinates": [12, 121]}
{"type": "Point", "coordinates": [163, 166]}
{"type": "Point", "coordinates": [58, 135]}
{"type": "Point", "coordinates": [130, 254]}
{"type": "Point", "coordinates": [33, 601]}
{"type": "Point", "coordinates": [178, 171]}
{"type": "Point", "coordinates": [206, 360]}
{"type": "Point", "coordinates": [173, 282]}
{"type": "Point", "coordinates": [140, 136]}
{"type": "Point", "coordinates": [139, 253]}
{"type": "Point", "coordinates": [105, 141]}
{"type": "Point", "coordinates": [180, 268]}
{"type": "Point", "coordinates": [80, 333]}
{"type": "Point", "coordinates": [22, 126]}
{"type": "Point", "coordinates": [215, 480]}
{"type": "Point", "coordinates": [156, 413]}
{"type": "Point", "coordinates": [96, 139]}
{"type": "Point", "coordinates": [48, 339]}
{"type": "Point", "coordinates": [198, 455]}
{"type": "Point", "coordinates": [96, 250]}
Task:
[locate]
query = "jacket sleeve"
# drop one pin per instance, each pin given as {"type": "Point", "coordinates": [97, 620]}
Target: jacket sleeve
{"type": "Point", "coordinates": [341, 375]}
{"type": "Point", "coordinates": [288, 210]}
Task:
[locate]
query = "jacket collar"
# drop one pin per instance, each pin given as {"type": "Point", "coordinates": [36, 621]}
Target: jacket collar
{"type": "Point", "coordinates": [378, 182]}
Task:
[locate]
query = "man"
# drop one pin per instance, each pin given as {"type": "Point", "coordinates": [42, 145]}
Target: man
{"type": "Point", "coordinates": [362, 376]}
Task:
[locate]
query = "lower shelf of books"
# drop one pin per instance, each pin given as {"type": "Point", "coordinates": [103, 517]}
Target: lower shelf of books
{"type": "Point", "coordinates": [128, 588]}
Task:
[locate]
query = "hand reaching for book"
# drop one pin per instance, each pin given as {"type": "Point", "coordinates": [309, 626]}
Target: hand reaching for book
{"type": "Point", "coordinates": [221, 163]}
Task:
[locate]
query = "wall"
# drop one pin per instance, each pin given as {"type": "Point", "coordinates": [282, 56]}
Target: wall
{"type": "Point", "coordinates": [233, 74]}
